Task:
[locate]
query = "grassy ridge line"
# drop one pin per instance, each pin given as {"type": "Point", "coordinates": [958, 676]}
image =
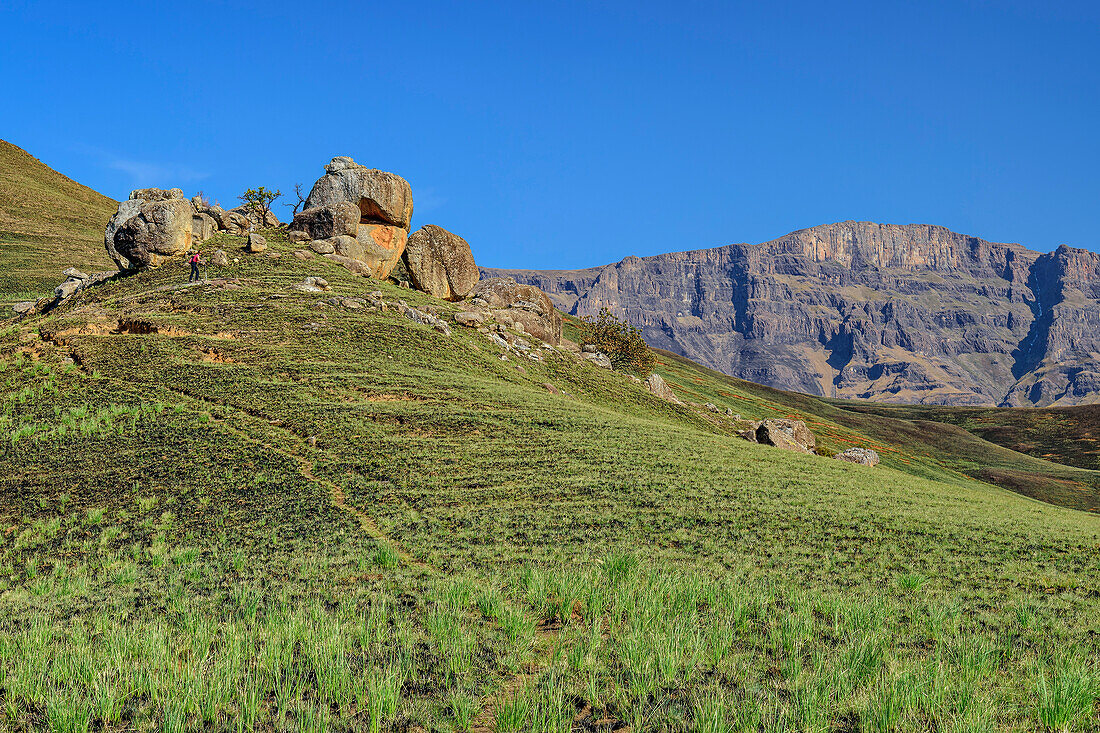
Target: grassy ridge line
{"type": "Point", "coordinates": [47, 222]}
{"type": "Point", "coordinates": [776, 591]}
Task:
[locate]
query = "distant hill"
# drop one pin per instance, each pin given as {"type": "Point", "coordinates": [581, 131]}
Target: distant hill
{"type": "Point", "coordinates": [47, 222]}
{"type": "Point", "coordinates": [911, 314]}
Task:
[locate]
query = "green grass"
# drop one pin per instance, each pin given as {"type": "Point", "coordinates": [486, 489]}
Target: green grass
{"type": "Point", "coordinates": [47, 222]}
{"type": "Point", "coordinates": [349, 521]}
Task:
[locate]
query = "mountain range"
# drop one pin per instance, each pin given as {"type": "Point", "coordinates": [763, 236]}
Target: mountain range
{"type": "Point", "coordinates": [891, 313]}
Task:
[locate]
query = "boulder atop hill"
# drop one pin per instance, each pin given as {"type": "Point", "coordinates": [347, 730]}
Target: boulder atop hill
{"type": "Point", "coordinates": [382, 198]}
{"type": "Point", "coordinates": [523, 304]}
{"type": "Point", "coordinates": [145, 232]}
{"type": "Point", "coordinates": [440, 263]}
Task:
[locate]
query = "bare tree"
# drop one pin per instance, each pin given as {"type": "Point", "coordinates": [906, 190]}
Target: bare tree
{"type": "Point", "coordinates": [301, 200]}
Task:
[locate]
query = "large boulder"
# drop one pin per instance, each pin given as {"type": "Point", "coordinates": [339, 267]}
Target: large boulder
{"type": "Point", "coordinates": [377, 247]}
{"type": "Point", "coordinates": [203, 227]}
{"type": "Point", "coordinates": [792, 435]}
{"type": "Point", "coordinates": [232, 221]}
{"type": "Point", "coordinates": [521, 303]}
{"type": "Point", "coordinates": [381, 197]}
{"type": "Point", "coordinates": [440, 263]}
{"type": "Point", "coordinates": [324, 222]}
{"type": "Point", "coordinates": [145, 232]}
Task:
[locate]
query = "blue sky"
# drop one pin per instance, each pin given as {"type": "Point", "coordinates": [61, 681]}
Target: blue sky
{"type": "Point", "coordinates": [569, 134]}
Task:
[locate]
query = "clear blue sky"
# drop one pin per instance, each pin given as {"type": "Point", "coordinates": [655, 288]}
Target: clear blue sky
{"type": "Point", "coordinates": [572, 134]}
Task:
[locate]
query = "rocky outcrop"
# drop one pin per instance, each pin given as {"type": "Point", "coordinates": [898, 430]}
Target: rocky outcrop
{"type": "Point", "coordinates": [146, 231]}
{"type": "Point", "coordinates": [440, 263]}
{"type": "Point", "coordinates": [514, 302]}
{"type": "Point", "coordinates": [357, 217]}
{"type": "Point", "coordinates": [325, 222]}
{"type": "Point", "coordinates": [908, 314]}
{"type": "Point", "coordinates": [382, 198]}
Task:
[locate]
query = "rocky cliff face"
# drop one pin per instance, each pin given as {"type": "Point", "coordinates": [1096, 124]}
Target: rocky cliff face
{"type": "Point", "coordinates": [914, 313]}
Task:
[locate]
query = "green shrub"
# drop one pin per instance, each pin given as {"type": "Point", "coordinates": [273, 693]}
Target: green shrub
{"type": "Point", "coordinates": [622, 342]}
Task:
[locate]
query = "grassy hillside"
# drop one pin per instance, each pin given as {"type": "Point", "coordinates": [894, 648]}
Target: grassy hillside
{"type": "Point", "coordinates": [47, 222]}
{"type": "Point", "coordinates": [1068, 435]}
{"type": "Point", "coordinates": [236, 509]}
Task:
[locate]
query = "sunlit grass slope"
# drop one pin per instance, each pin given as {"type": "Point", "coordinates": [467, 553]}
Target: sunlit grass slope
{"type": "Point", "coordinates": [47, 222]}
{"type": "Point", "coordinates": [272, 515]}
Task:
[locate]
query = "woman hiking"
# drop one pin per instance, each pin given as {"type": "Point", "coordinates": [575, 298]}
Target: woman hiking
{"type": "Point", "coordinates": [195, 262]}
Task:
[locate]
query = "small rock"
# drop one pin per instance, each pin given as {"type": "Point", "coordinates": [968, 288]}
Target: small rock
{"type": "Point", "coordinates": [729, 411]}
{"type": "Point", "coordinates": [24, 308]}
{"type": "Point", "coordinates": [74, 274]}
{"type": "Point", "coordinates": [655, 384]}
{"type": "Point", "coordinates": [590, 349]}
{"type": "Point", "coordinates": [550, 388]}
{"type": "Point", "coordinates": [322, 246]}
{"type": "Point", "coordinates": [598, 358]}
{"type": "Point", "coordinates": [351, 303]}
{"type": "Point", "coordinates": [219, 258]}
{"type": "Point", "coordinates": [256, 243]}
{"type": "Point", "coordinates": [517, 327]}
{"type": "Point", "coordinates": [297, 237]}
{"type": "Point", "coordinates": [303, 254]}
{"type": "Point", "coordinates": [67, 289]}
{"type": "Point", "coordinates": [712, 407]}
{"type": "Point", "coordinates": [520, 369]}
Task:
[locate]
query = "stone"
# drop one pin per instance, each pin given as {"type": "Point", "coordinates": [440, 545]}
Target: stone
{"type": "Point", "coordinates": [550, 388]}
{"type": "Point", "coordinates": [470, 319]}
{"type": "Point", "coordinates": [377, 247]}
{"type": "Point", "coordinates": [67, 289]}
{"type": "Point", "coordinates": [381, 197]}
{"type": "Point", "coordinates": [203, 227]}
{"type": "Point", "coordinates": [74, 274]}
{"type": "Point", "coordinates": [524, 304]}
{"type": "Point", "coordinates": [303, 254]}
{"type": "Point", "coordinates": [518, 326]}
{"type": "Point", "coordinates": [255, 221]}
{"type": "Point", "coordinates": [862, 456]}
{"type": "Point", "coordinates": [325, 222]}
{"type": "Point", "coordinates": [590, 348]}
{"type": "Point", "coordinates": [233, 222]}
{"type": "Point", "coordinates": [352, 265]}
{"type": "Point", "coordinates": [792, 435]}
{"type": "Point", "coordinates": [655, 384]}
{"type": "Point", "coordinates": [322, 247]}
{"type": "Point", "coordinates": [712, 407]}
{"type": "Point", "coordinates": [296, 237]}
{"type": "Point", "coordinates": [599, 359]}
{"type": "Point", "coordinates": [220, 258]}
{"type": "Point", "coordinates": [312, 285]}
{"type": "Point", "coordinates": [146, 233]}
{"type": "Point", "coordinates": [157, 194]}
{"type": "Point", "coordinates": [25, 308]}
{"type": "Point", "coordinates": [256, 243]}
{"type": "Point", "coordinates": [440, 263]}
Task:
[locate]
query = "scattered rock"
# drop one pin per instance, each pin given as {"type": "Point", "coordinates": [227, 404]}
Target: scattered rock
{"type": "Point", "coordinates": [74, 274]}
{"type": "Point", "coordinates": [550, 388]}
{"type": "Point", "coordinates": [312, 285]}
{"type": "Point", "coordinates": [712, 407]}
{"type": "Point", "coordinates": [790, 435]}
{"type": "Point", "coordinates": [524, 304]}
{"type": "Point", "coordinates": [598, 358]}
{"type": "Point", "coordinates": [655, 384]}
{"type": "Point", "coordinates": [590, 349]}
{"type": "Point", "coordinates": [470, 319]}
{"type": "Point", "coordinates": [27, 307]}
{"type": "Point", "coordinates": [322, 246]}
{"type": "Point", "coordinates": [256, 243]}
{"type": "Point", "coordinates": [220, 258]}
{"type": "Point", "coordinates": [303, 254]}
{"type": "Point", "coordinates": [862, 456]}
{"type": "Point", "coordinates": [440, 263]}
{"type": "Point", "coordinates": [295, 237]}
{"type": "Point", "coordinates": [67, 289]}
